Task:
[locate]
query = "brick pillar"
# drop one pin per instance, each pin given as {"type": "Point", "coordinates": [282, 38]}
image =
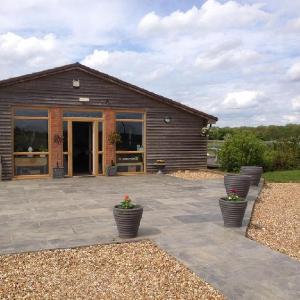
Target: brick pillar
{"type": "Point", "coordinates": [110, 126]}
{"type": "Point", "coordinates": [56, 128]}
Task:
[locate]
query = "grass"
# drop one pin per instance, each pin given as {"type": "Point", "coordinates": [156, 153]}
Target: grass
{"type": "Point", "coordinates": [282, 176]}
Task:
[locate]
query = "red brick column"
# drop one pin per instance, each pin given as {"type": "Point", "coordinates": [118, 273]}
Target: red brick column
{"type": "Point", "coordinates": [56, 128]}
{"type": "Point", "coordinates": [110, 126]}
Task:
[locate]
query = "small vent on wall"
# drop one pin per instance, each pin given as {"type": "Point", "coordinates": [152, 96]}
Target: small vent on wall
{"type": "Point", "coordinates": [76, 83]}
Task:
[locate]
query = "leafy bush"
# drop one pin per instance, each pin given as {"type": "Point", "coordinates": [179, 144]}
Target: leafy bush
{"type": "Point", "coordinates": [241, 149]}
{"type": "Point", "coordinates": [283, 155]}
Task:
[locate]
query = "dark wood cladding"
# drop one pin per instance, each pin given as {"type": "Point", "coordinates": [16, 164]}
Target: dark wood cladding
{"type": "Point", "coordinates": [6, 139]}
{"type": "Point", "coordinates": [179, 143]}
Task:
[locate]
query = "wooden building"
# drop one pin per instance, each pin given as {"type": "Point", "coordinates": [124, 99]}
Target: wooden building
{"type": "Point", "coordinates": [65, 117]}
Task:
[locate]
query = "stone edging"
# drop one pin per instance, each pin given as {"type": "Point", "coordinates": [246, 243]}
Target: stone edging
{"type": "Point", "coordinates": [253, 208]}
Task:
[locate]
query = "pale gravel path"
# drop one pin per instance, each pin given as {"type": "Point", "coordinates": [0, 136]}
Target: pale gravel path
{"type": "Point", "coordinates": [138, 270]}
{"type": "Point", "coordinates": [276, 218]}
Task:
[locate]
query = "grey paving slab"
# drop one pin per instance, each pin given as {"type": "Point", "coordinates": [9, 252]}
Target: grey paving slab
{"type": "Point", "coordinates": [181, 216]}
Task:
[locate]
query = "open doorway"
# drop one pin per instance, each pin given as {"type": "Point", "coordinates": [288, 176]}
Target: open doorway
{"type": "Point", "coordinates": [82, 148]}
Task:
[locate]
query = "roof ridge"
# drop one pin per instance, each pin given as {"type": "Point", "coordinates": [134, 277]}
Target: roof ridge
{"type": "Point", "coordinates": [77, 65]}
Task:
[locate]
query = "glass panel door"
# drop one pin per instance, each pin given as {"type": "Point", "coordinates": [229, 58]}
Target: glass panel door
{"type": "Point", "coordinates": [82, 148]}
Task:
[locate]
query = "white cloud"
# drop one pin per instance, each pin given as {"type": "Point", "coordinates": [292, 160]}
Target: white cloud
{"type": "Point", "coordinates": [136, 67]}
{"type": "Point", "coordinates": [296, 103]}
{"type": "Point", "coordinates": [294, 25]}
{"type": "Point", "coordinates": [18, 53]}
{"type": "Point", "coordinates": [13, 45]}
{"type": "Point", "coordinates": [97, 59]}
{"type": "Point", "coordinates": [294, 72]}
{"type": "Point", "coordinates": [295, 118]}
{"type": "Point", "coordinates": [91, 22]}
{"type": "Point", "coordinates": [228, 59]}
{"type": "Point", "coordinates": [242, 99]}
{"type": "Point", "coordinates": [211, 15]}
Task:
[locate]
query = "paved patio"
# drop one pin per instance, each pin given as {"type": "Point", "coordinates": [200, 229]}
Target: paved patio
{"type": "Point", "coordinates": [181, 216]}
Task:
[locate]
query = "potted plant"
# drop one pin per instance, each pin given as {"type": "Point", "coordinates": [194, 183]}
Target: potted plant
{"type": "Point", "coordinates": [254, 171]}
{"type": "Point", "coordinates": [128, 217]}
{"type": "Point", "coordinates": [58, 172]}
{"type": "Point", "coordinates": [233, 209]}
{"type": "Point", "coordinates": [114, 138]}
{"type": "Point", "coordinates": [112, 169]}
{"type": "Point", "coordinates": [239, 183]}
{"type": "Point", "coordinates": [160, 164]}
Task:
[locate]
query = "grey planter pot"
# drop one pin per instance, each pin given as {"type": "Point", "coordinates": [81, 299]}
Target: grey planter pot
{"type": "Point", "coordinates": [240, 183]}
{"type": "Point", "coordinates": [58, 172]}
{"type": "Point", "coordinates": [128, 220]}
{"type": "Point", "coordinates": [160, 168]}
{"type": "Point", "coordinates": [253, 171]}
{"type": "Point", "coordinates": [111, 171]}
{"type": "Point", "coordinates": [233, 212]}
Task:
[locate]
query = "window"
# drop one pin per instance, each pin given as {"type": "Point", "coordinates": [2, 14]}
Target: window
{"type": "Point", "coordinates": [131, 162]}
{"type": "Point", "coordinates": [25, 112]}
{"type": "Point", "coordinates": [130, 151]}
{"type": "Point", "coordinates": [131, 136]}
{"type": "Point", "coordinates": [31, 135]}
{"type": "Point", "coordinates": [82, 114]}
{"type": "Point", "coordinates": [129, 115]}
{"type": "Point", "coordinates": [100, 148]}
{"type": "Point", "coordinates": [31, 142]}
{"type": "Point", "coordinates": [65, 146]}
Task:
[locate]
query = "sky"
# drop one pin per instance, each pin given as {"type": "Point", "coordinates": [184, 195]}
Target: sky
{"type": "Point", "coordinates": [238, 60]}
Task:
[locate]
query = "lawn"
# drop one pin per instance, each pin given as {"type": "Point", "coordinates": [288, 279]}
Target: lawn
{"type": "Point", "coordinates": [282, 176]}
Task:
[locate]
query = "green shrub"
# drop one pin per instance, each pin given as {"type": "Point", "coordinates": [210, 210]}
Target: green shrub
{"type": "Point", "coordinates": [269, 158]}
{"type": "Point", "coordinates": [282, 155]}
{"type": "Point", "coordinates": [241, 149]}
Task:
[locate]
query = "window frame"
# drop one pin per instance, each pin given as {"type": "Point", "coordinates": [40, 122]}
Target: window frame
{"type": "Point", "coordinates": [143, 152]}
{"type": "Point", "coordinates": [34, 153]}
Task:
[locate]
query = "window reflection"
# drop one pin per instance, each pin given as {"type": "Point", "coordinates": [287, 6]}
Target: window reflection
{"type": "Point", "coordinates": [31, 135]}
{"type": "Point", "coordinates": [100, 136]}
{"type": "Point", "coordinates": [129, 115]}
{"type": "Point", "coordinates": [83, 114]}
{"type": "Point", "coordinates": [131, 136]}
{"type": "Point", "coordinates": [25, 112]}
{"type": "Point", "coordinates": [131, 162]}
{"type": "Point", "coordinates": [31, 164]}
{"type": "Point", "coordinates": [65, 136]}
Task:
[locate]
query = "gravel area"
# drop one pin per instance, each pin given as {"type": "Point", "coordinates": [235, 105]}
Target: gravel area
{"type": "Point", "coordinates": [276, 218]}
{"type": "Point", "coordinates": [192, 175]}
{"type": "Point", "coordinates": [138, 270]}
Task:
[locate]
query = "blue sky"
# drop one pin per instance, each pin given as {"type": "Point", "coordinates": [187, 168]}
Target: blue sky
{"type": "Point", "coordinates": [238, 60]}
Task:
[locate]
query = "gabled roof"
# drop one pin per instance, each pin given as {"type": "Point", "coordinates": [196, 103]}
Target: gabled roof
{"type": "Point", "coordinates": [78, 66]}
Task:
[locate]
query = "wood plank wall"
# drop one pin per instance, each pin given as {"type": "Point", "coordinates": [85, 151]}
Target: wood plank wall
{"type": "Point", "coordinates": [179, 143]}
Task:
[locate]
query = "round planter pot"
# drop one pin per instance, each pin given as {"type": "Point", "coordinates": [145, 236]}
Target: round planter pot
{"type": "Point", "coordinates": [233, 212]}
{"type": "Point", "coordinates": [128, 220]}
{"type": "Point", "coordinates": [58, 172]}
{"type": "Point", "coordinates": [253, 171]}
{"type": "Point", "coordinates": [237, 182]}
{"type": "Point", "coordinates": [160, 167]}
